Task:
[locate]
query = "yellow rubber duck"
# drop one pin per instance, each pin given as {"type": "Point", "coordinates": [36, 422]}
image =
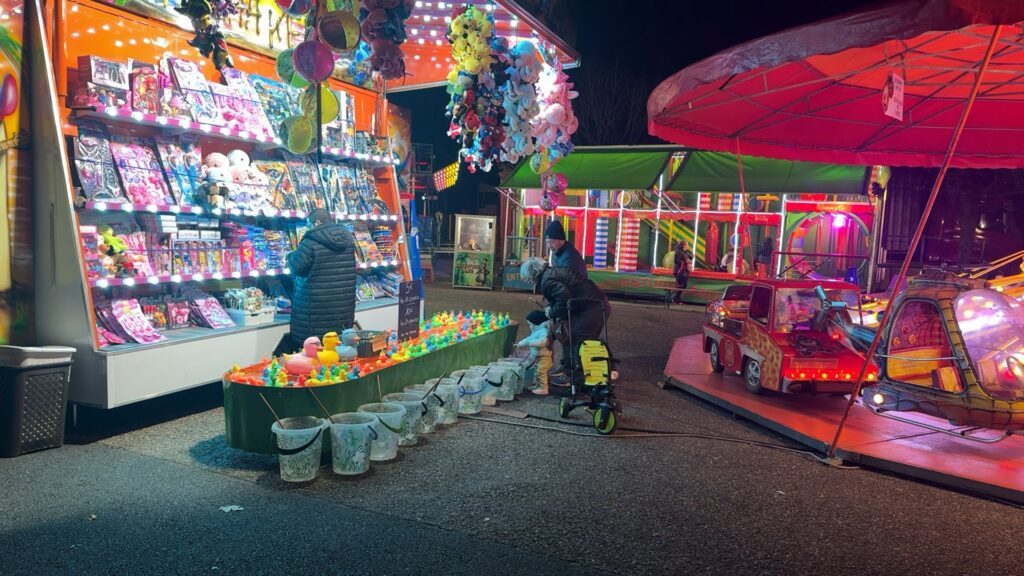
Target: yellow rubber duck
{"type": "Point", "coordinates": [329, 356]}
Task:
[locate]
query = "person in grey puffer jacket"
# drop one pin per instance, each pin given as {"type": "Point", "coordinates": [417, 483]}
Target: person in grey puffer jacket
{"type": "Point", "coordinates": [559, 285]}
{"type": "Point", "coordinates": [324, 269]}
{"type": "Point", "coordinates": [565, 255]}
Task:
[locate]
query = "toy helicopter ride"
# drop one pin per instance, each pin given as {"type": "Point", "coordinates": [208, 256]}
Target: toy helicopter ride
{"type": "Point", "coordinates": [953, 349]}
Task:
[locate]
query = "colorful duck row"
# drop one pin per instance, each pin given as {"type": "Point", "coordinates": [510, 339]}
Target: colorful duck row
{"type": "Point", "coordinates": [334, 359]}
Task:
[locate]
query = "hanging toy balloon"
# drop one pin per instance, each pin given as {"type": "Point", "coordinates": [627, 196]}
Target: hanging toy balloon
{"type": "Point", "coordinates": [540, 163]}
{"type": "Point", "coordinates": [295, 7]}
{"type": "Point", "coordinates": [329, 106]}
{"type": "Point", "coordinates": [340, 30]}
{"type": "Point", "coordinates": [548, 202]}
{"type": "Point", "coordinates": [286, 70]}
{"type": "Point", "coordinates": [297, 134]}
{"type": "Point", "coordinates": [313, 60]}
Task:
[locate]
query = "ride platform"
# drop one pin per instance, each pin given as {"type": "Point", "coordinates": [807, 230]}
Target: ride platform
{"type": "Point", "coordinates": [995, 470]}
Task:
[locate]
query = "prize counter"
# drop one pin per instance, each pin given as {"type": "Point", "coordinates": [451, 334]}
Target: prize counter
{"type": "Point", "coordinates": [447, 342]}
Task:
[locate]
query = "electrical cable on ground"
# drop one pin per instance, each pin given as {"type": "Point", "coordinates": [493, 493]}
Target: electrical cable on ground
{"type": "Point", "coordinates": [647, 433]}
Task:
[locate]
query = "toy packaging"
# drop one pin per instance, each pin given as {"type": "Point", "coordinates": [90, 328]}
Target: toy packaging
{"type": "Point", "coordinates": [182, 161]}
{"type": "Point", "coordinates": [95, 164]}
{"type": "Point", "coordinates": [240, 115]}
{"type": "Point", "coordinates": [103, 72]}
{"type": "Point", "coordinates": [172, 103]}
{"type": "Point", "coordinates": [129, 316]}
{"type": "Point", "coordinates": [194, 88]}
{"type": "Point", "coordinates": [145, 88]}
{"type": "Point", "coordinates": [305, 180]}
{"type": "Point", "coordinates": [177, 312]}
{"type": "Point", "coordinates": [279, 101]}
{"type": "Point", "coordinates": [243, 89]}
{"type": "Point", "coordinates": [140, 172]}
{"type": "Point", "coordinates": [206, 310]}
{"type": "Point", "coordinates": [280, 186]}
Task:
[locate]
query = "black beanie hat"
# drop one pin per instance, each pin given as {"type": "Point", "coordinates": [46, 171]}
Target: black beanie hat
{"type": "Point", "coordinates": [554, 231]}
{"type": "Point", "coordinates": [536, 317]}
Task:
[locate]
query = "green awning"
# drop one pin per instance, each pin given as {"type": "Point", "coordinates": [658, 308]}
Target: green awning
{"type": "Point", "coordinates": [619, 168]}
{"type": "Point", "coordinates": [719, 172]}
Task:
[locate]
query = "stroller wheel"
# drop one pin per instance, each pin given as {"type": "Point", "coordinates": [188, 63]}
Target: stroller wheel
{"type": "Point", "coordinates": [604, 420]}
{"type": "Point", "coordinates": [564, 407]}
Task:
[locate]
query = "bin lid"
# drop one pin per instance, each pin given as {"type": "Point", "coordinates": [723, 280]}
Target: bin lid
{"type": "Point", "coordinates": [30, 356]}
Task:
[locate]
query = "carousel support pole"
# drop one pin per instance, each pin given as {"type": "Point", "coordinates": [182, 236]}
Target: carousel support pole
{"type": "Point", "coordinates": [782, 234]}
{"type": "Point", "coordinates": [657, 223]}
{"type": "Point", "coordinates": [950, 152]}
{"type": "Point", "coordinates": [696, 236]}
{"type": "Point", "coordinates": [737, 243]}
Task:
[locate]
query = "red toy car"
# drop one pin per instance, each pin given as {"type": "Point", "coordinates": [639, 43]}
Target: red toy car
{"type": "Point", "coordinates": [779, 335]}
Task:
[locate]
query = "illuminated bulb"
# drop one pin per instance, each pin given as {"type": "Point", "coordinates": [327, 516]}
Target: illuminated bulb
{"type": "Point", "coordinates": [102, 283]}
{"type": "Point", "coordinates": [151, 208]}
{"type": "Point", "coordinates": [448, 19]}
{"type": "Point", "coordinates": [433, 33]}
{"type": "Point", "coordinates": [419, 4]}
{"type": "Point", "coordinates": [110, 110]}
{"type": "Point", "coordinates": [101, 206]}
{"type": "Point", "coordinates": [91, 30]}
{"type": "Point", "coordinates": [420, 40]}
{"type": "Point", "coordinates": [184, 122]}
{"type": "Point", "coordinates": [255, 273]}
{"type": "Point", "coordinates": [437, 42]}
{"type": "Point", "coordinates": [118, 43]}
{"type": "Point", "coordinates": [175, 209]}
{"type": "Point", "coordinates": [127, 207]}
{"type": "Point", "coordinates": [878, 399]}
{"type": "Point", "coordinates": [132, 42]}
{"type": "Point", "coordinates": [236, 274]}
{"type": "Point", "coordinates": [205, 127]}
{"type": "Point", "coordinates": [176, 278]}
{"type": "Point", "coordinates": [129, 282]}
{"type": "Point", "coordinates": [217, 276]}
{"type": "Point", "coordinates": [216, 211]}
{"type": "Point", "coordinates": [197, 277]}
{"type": "Point", "coordinates": [154, 280]}
{"type": "Point", "coordinates": [871, 376]}
{"type": "Point", "coordinates": [426, 17]}
{"type": "Point", "coordinates": [162, 120]}
{"type": "Point", "coordinates": [414, 31]}
{"type": "Point", "coordinates": [286, 271]}
{"type": "Point", "coordinates": [106, 26]}
{"type": "Point", "coordinates": [197, 210]}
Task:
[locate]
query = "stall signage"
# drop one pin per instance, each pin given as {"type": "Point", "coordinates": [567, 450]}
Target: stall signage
{"type": "Point", "coordinates": [892, 96]}
{"type": "Point", "coordinates": [408, 310]}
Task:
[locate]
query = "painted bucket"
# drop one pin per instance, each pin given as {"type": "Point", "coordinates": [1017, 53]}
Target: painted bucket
{"type": "Point", "coordinates": [352, 434]}
{"type": "Point", "coordinates": [486, 395]}
{"type": "Point", "coordinates": [434, 403]}
{"type": "Point", "coordinates": [448, 390]}
{"type": "Point", "coordinates": [299, 441]}
{"type": "Point", "coordinates": [415, 409]}
{"type": "Point", "coordinates": [471, 392]}
{"type": "Point", "coordinates": [518, 373]}
{"type": "Point", "coordinates": [389, 415]}
{"type": "Point", "coordinates": [523, 369]}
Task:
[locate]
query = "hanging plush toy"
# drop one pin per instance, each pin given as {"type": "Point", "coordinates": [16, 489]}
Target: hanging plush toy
{"type": "Point", "coordinates": [520, 101]}
{"type": "Point", "coordinates": [383, 27]}
{"type": "Point", "coordinates": [556, 123]}
{"type": "Point", "coordinates": [206, 16]}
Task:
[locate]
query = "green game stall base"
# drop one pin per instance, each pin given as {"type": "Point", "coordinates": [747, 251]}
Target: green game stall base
{"type": "Point", "coordinates": [247, 419]}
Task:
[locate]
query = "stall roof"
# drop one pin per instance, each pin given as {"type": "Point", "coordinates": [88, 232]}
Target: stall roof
{"type": "Point", "coordinates": [602, 168]}
{"type": "Point", "coordinates": [704, 171]}
{"type": "Point", "coordinates": [638, 168]}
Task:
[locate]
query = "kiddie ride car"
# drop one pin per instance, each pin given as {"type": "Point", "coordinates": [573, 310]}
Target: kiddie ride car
{"type": "Point", "coordinates": [789, 336]}
{"type": "Point", "coordinates": [954, 349]}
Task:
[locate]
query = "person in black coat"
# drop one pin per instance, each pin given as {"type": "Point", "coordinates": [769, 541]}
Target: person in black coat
{"type": "Point", "coordinates": [324, 269]}
{"type": "Point", "coordinates": [565, 255]}
{"type": "Point", "coordinates": [558, 286]}
{"type": "Point", "coordinates": [681, 268]}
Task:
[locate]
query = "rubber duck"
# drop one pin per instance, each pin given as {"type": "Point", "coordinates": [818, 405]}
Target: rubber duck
{"type": "Point", "coordinates": [347, 353]}
{"type": "Point", "coordinates": [304, 362]}
{"type": "Point", "coordinates": [328, 356]}
{"type": "Point", "coordinates": [351, 337]}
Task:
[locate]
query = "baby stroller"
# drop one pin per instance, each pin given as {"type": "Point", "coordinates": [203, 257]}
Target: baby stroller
{"type": "Point", "coordinates": [598, 376]}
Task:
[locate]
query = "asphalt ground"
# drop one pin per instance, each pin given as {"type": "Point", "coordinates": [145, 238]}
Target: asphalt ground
{"type": "Point", "coordinates": [139, 491]}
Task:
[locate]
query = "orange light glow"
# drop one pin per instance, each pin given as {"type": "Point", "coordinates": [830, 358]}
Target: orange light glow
{"type": "Point", "coordinates": [871, 376]}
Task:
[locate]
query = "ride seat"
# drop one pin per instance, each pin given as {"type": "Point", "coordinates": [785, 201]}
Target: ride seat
{"type": "Point", "coordinates": [916, 365]}
{"type": "Point", "coordinates": [596, 362]}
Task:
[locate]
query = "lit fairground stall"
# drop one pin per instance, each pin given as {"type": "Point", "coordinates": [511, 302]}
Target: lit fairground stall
{"type": "Point", "coordinates": [936, 390]}
{"type": "Point", "coordinates": [625, 209]}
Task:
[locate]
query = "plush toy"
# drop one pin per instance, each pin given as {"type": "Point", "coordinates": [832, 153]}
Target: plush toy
{"type": "Point", "coordinates": [382, 23]}
{"type": "Point", "coordinates": [113, 250]}
{"type": "Point", "coordinates": [520, 101]}
{"type": "Point", "coordinates": [556, 123]}
{"type": "Point", "coordinates": [206, 16]}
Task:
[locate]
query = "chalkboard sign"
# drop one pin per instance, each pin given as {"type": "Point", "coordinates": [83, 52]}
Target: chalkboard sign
{"type": "Point", "coordinates": [408, 310]}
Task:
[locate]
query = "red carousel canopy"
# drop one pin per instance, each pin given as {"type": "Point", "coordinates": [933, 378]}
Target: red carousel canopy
{"type": "Point", "coordinates": [815, 92]}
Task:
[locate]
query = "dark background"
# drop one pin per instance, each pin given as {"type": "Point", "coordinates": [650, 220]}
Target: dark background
{"type": "Point", "coordinates": [626, 49]}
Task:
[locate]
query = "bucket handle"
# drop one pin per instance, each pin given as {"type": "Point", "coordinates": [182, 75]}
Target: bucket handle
{"type": "Point", "coordinates": [399, 430]}
{"type": "Point", "coordinates": [464, 392]}
{"type": "Point", "coordinates": [423, 409]}
{"type": "Point", "coordinates": [294, 451]}
{"type": "Point", "coordinates": [498, 385]}
{"type": "Point", "coordinates": [373, 433]}
{"type": "Point", "coordinates": [439, 399]}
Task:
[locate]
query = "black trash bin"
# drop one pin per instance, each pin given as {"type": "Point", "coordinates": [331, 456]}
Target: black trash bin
{"type": "Point", "coordinates": [33, 398]}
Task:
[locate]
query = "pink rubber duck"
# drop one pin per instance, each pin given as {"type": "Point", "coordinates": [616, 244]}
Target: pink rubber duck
{"type": "Point", "coordinates": [305, 362]}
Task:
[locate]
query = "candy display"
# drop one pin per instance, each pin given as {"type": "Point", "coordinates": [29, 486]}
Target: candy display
{"type": "Point", "coordinates": [311, 367]}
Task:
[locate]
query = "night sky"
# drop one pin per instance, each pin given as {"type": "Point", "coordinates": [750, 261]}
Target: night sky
{"type": "Point", "coordinates": [647, 40]}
